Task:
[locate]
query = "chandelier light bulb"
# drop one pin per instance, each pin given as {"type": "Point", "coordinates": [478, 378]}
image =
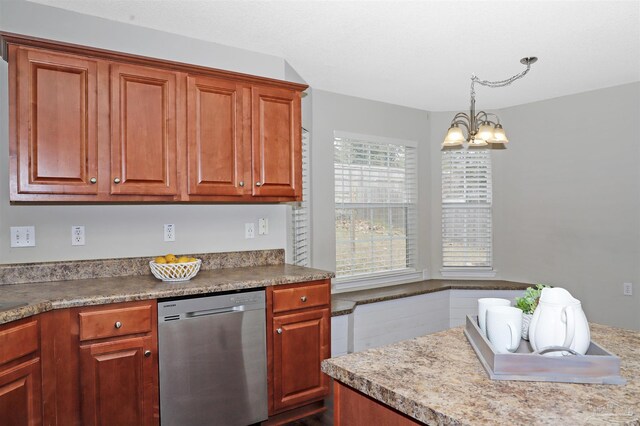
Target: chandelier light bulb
{"type": "Point", "coordinates": [454, 134]}
{"type": "Point", "coordinates": [499, 135]}
{"type": "Point", "coordinates": [486, 131]}
{"type": "Point", "coordinates": [476, 142]}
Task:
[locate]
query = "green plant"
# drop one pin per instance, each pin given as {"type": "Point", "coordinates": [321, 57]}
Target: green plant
{"type": "Point", "coordinates": [529, 301]}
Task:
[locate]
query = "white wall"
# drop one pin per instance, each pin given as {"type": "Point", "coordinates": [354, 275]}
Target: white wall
{"type": "Point", "coordinates": [566, 198]}
{"type": "Point", "coordinates": [128, 230]}
{"type": "Point", "coordinates": [332, 112]}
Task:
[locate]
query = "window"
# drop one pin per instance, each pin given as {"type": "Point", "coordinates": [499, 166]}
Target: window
{"type": "Point", "coordinates": [466, 211]}
{"type": "Point", "coordinates": [375, 202]}
{"type": "Point", "coordinates": [300, 215]}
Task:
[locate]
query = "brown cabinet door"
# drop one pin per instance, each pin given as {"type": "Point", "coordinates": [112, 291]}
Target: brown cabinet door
{"type": "Point", "coordinates": [21, 394]}
{"type": "Point", "coordinates": [300, 343]}
{"type": "Point", "coordinates": [214, 126]}
{"type": "Point", "coordinates": [119, 384]}
{"type": "Point", "coordinates": [276, 143]}
{"type": "Point", "coordinates": [143, 131]}
{"type": "Point", "coordinates": [55, 144]}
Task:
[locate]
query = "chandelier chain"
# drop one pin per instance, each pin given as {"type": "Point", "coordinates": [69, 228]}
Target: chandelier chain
{"type": "Point", "coordinates": [500, 83]}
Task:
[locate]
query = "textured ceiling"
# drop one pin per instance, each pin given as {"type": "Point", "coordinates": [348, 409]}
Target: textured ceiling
{"type": "Point", "coordinates": [415, 53]}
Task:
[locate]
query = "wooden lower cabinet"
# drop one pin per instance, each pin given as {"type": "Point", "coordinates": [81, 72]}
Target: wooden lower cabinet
{"type": "Point", "coordinates": [298, 341]}
{"type": "Point", "coordinates": [118, 382]}
{"type": "Point", "coordinates": [21, 394]}
{"type": "Point", "coordinates": [353, 408]}
{"type": "Point", "coordinates": [100, 365]}
{"type": "Point", "coordinates": [20, 376]}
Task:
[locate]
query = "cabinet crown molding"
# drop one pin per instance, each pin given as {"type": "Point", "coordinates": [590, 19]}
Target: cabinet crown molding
{"type": "Point", "coordinates": [58, 46]}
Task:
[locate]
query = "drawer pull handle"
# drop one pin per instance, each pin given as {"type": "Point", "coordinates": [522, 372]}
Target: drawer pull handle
{"type": "Point", "coordinates": [93, 180]}
{"type": "Point", "coordinates": [303, 298]}
{"type": "Point", "coordinates": [279, 331]}
{"type": "Point", "coordinates": [147, 353]}
{"type": "Point", "coordinates": [118, 324]}
{"type": "Point", "coordinates": [241, 183]}
{"type": "Point", "coordinates": [116, 181]}
{"type": "Point", "coordinates": [258, 183]}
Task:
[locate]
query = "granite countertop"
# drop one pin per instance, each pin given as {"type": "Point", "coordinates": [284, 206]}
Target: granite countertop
{"type": "Point", "coordinates": [45, 296]}
{"type": "Point", "coordinates": [345, 303]}
{"type": "Point", "coordinates": [437, 379]}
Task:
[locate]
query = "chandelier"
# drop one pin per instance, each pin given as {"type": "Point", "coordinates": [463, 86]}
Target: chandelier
{"type": "Point", "coordinates": [482, 128]}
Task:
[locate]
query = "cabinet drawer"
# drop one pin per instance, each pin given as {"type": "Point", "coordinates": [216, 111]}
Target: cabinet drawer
{"type": "Point", "coordinates": [18, 340]}
{"type": "Point", "coordinates": [300, 297]}
{"type": "Point", "coordinates": [115, 322]}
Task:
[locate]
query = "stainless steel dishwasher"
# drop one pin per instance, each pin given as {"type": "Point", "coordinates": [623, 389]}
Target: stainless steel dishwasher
{"type": "Point", "coordinates": [213, 362]}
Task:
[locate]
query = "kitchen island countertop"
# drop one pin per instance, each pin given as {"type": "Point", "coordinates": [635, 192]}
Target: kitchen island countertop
{"type": "Point", "coordinates": [437, 379]}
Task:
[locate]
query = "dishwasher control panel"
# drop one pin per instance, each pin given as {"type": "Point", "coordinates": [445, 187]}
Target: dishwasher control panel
{"type": "Point", "coordinates": [184, 308]}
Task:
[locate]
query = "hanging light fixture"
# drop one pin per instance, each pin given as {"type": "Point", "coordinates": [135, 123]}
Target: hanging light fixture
{"type": "Point", "coordinates": [482, 128]}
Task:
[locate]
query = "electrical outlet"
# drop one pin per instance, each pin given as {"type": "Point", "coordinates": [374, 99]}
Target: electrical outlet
{"type": "Point", "coordinates": [249, 230]}
{"type": "Point", "coordinates": [627, 289]}
{"type": "Point", "coordinates": [23, 236]}
{"type": "Point", "coordinates": [169, 232]}
{"type": "Point", "coordinates": [77, 235]}
{"type": "Point", "coordinates": [263, 226]}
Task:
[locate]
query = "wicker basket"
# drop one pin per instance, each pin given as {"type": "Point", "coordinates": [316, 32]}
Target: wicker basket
{"type": "Point", "coordinates": [174, 272]}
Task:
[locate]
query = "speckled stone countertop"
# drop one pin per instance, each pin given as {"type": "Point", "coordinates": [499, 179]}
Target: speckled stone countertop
{"type": "Point", "coordinates": [345, 303]}
{"type": "Point", "coordinates": [437, 379]}
{"type": "Point", "coordinates": [45, 296]}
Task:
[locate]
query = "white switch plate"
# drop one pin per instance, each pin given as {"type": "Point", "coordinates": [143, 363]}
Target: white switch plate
{"type": "Point", "coordinates": [627, 289]}
{"type": "Point", "coordinates": [249, 230]}
{"type": "Point", "coordinates": [263, 226]}
{"type": "Point", "coordinates": [23, 236]}
{"type": "Point", "coordinates": [77, 235]}
{"type": "Point", "coordinates": [169, 232]}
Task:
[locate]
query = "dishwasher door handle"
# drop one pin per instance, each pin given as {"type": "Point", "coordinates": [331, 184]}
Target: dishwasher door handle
{"type": "Point", "coordinates": [225, 310]}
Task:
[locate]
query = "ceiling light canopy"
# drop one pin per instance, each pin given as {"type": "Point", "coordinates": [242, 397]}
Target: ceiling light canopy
{"type": "Point", "coordinates": [483, 129]}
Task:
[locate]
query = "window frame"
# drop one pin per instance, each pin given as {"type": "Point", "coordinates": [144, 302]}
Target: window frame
{"type": "Point", "coordinates": [474, 271]}
{"type": "Point", "coordinates": [301, 211]}
{"type": "Point", "coordinates": [391, 277]}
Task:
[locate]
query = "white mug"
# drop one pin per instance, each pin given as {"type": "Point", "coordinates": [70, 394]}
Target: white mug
{"type": "Point", "coordinates": [504, 328]}
{"type": "Point", "coordinates": [483, 304]}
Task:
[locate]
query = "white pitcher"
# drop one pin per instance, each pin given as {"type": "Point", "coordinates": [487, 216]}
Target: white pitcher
{"type": "Point", "coordinates": [559, 321]}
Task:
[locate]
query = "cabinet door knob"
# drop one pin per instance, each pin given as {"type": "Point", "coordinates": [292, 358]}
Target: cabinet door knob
{"type": "Point", "coordinates": [93, 180]}
{"type": "Point", "coordinates": [147, 353]}
{"type": "Point", "coordinates": [116, 180]}
{"type": "Point", "coordinates": [241, 183]}
{"type": "Point", "coordinates": [258, 183]}
{"type": "Point", "coordinates": [118, 324]}
{"type": "Point", "coordinates": [279, 331]}
{"type": "Point", "coordinates": [303, 298]}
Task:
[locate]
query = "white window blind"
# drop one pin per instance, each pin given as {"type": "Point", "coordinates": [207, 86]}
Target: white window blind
{"type": "Point", "coordinates": [375, 202]}
{"type": "Point", "coordinates": [466, 209]}
{"type": "Point", "coordinates": [301, 213]}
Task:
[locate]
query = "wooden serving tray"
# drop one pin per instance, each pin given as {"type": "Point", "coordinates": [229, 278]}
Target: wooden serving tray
{"type": "Point", "coordinates": [597, 366]}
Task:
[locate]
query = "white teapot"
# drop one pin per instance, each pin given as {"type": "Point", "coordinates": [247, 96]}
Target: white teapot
{"type": "Point", "coordinates": [559, 321]}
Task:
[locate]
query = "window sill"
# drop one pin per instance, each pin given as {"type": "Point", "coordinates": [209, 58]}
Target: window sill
{"type": "Point", "coordinates": [375, 281]}
{"type": "Point", "coordinates": [468, 273]}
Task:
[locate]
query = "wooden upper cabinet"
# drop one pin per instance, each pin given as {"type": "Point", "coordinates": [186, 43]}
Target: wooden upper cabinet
{"type": "Point", "coordinates": [91, 125]}
{"type": "Point", "coordinates": [276, 142]}
{"type": "Point", "coordinates": [143, 131]}
{"type": "Point", "coordinates": [214, 132]}
{"type": "Point", "coordinates": [55, 144]}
